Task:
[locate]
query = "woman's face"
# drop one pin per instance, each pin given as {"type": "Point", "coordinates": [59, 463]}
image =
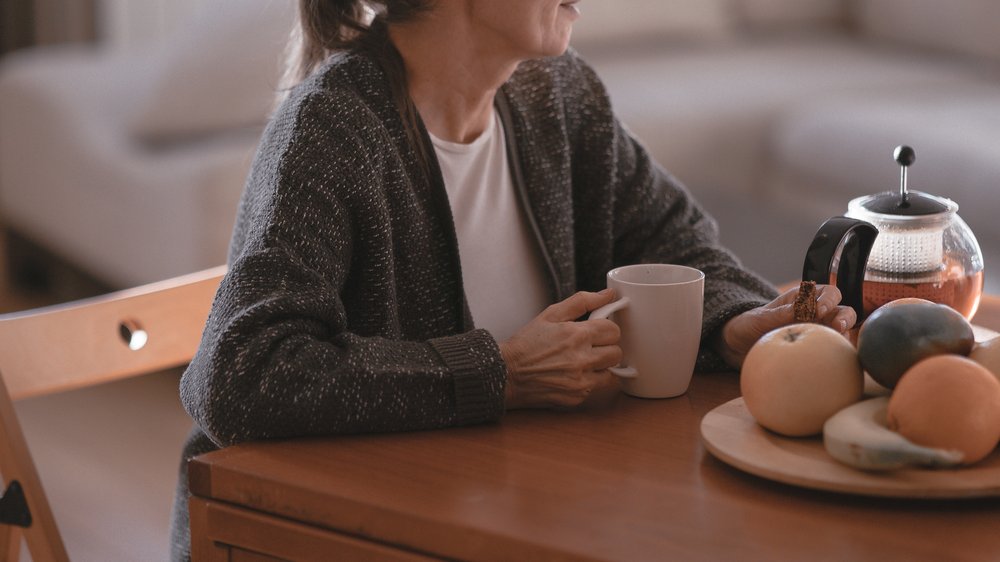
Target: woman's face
{"type": "Point", "coordinates": [525, 28]}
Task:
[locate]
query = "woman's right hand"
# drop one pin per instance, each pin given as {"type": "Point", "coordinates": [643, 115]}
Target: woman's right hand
{"type": "Point", "coordinates": [556, 361]}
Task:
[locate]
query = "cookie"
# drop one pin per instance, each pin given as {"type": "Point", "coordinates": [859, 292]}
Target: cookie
{"type": "Point", "coordinates": [805, 302]}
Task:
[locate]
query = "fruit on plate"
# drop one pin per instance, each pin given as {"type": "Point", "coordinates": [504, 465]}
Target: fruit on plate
{"type": "Point", "coordinates": [948, 402]}
{"type": "Point", "coordinates": [858, 436]}
{"type": "Point", "coordinates": [908, 300]}
{"type": "Point", "coordinates": [797, 376]}
{"type": "Point", "coordinates": [894, 338]}
{"type": "Point", "coordinates": [987, 354]}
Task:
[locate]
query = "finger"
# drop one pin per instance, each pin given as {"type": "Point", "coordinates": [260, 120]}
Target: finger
{"type": "Point", "coordinates": [787, 297]}
{"type": "Point", "coordinates": [577, 305]}
{"type": "Point", "coordinates": [597, 386]}
{"type": "Point", "coordinates": [841, 318]}
{"type": "Point", "coordinates": [570, 392]}
{"type": "Point", "coordinates": [603, 331]}
{"type": "Point", "coordinates": [763, 320]}
{"type": "Point", "coordinates": [605, 392]}
{"type": "Point", "coordinates": [828, 299]}
{"type": "Point", "coordinates": [605, 356]}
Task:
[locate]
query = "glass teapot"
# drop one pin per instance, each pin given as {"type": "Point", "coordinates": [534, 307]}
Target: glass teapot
{"type": "Point", "coordinates": [898, 244]}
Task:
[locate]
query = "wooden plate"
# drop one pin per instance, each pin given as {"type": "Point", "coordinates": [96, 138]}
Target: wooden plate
{"type": "Point", "coordinates": [731, 434]}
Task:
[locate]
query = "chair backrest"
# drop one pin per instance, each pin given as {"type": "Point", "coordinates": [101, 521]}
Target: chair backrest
{"type": "Point", "coordinates": [53, 349]}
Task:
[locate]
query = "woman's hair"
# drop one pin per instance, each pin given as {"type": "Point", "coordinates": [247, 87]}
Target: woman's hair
{"type": "Point", "coordinates": [329, 26]}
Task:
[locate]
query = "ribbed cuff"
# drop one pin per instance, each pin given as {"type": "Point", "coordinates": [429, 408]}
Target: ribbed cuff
{"type": "Point", "coordinates": [478, 372]}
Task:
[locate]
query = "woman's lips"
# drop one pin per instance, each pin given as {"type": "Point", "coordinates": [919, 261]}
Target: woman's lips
{"type": "Point", "coordinates": [571, 5]}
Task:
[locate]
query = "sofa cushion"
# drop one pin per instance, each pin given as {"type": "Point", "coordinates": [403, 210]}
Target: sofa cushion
{"type": "Point", "coordinates": [617, 21]}
{"type": "Point", "coordinates": [691, 105]}
{"type": "Point", "coordinates": [219, 72]}
{"type": "Point", "coordinates": [72, 182]}
{"type": "Point", "coordinates": [830, 151]}
{"type": "Point", "coordinates": [769, 15]}
{"type": "Point", "coordinates": [961, 26]}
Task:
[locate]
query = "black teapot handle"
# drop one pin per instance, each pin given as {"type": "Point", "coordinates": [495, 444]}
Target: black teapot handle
{"type": "Point", "coordinates": [854, 238]}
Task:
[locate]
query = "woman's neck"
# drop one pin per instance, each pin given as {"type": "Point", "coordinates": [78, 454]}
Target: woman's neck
{"type": "Point", "coordinates": [452, 76]}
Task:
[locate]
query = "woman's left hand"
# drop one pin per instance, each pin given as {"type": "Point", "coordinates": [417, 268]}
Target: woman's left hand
{"type": "Point", "coordinates": [740, 333]}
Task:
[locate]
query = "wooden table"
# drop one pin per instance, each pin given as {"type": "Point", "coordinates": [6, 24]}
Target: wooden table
{"type": "Point", "coordinates": [630, 482]}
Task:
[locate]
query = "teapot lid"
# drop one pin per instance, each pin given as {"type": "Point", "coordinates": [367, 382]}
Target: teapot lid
{"type": "Point", "coordinates": [913, 204]}
{"type": "Point", "coordinates": [904, 202]}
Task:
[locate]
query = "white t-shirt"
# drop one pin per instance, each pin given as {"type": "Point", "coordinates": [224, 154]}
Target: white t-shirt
{"type": "Point", "coordinates": [502, 267]}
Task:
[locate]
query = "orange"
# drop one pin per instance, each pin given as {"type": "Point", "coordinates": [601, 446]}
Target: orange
{"type": "Point", "coordinates": [987, 354]}
{"type": "Point", "coordinates": [948, 402]}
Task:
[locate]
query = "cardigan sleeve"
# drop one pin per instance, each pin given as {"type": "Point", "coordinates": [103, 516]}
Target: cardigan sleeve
{"type": "Point", "coordinates": [667, 225]}
{"type": "Point", "coordinates": [660, 221]}
{"type": "Point", "coordinates": [275, 361]}
{"type": "Point", "coordinates": [279, 356]}
{"type": "Point", "coordinates": [656, 220]}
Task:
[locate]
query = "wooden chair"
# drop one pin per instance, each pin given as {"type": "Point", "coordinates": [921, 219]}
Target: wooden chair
{"type": "Point", "coordinates": [83, 343]}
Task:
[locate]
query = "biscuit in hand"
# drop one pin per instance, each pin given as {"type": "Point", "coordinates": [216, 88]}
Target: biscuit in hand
{"type": "Point", "coordinates": [805, 302]}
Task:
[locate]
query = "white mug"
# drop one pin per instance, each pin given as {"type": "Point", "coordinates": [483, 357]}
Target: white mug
{"type": "Point", "coordinates": [659, 310]}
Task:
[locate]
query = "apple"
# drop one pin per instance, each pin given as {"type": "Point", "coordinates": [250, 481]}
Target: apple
{"type": "Point", "coordinates": [797, 376]}
{"type": "Point", "coordinates": [894, 338]}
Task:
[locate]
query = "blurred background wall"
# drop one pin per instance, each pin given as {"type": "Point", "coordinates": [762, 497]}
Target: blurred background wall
{"type": "Point", "coordinates": [125, 24]}
{"type": "Point", "coordinates": [41, 22]}
{"type": "Point", "coordinates": [120, 24]}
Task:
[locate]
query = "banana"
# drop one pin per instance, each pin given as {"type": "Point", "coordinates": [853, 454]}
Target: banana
{"type": "Point", "coordinates": [858, 436]}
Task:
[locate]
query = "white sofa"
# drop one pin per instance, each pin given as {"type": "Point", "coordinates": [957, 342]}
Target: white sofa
{"type": "Point", "coordinates": [777, 112]}
{"type": "Point", "coordinates": [130, 165]}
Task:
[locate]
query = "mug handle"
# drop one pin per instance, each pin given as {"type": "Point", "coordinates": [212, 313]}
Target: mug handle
{"type": "Point", "coordinates": [604, 312]}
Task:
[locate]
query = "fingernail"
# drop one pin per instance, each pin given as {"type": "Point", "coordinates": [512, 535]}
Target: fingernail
{"type": "Point", "coordinates": [842, 325]}
{"type": "Point", "coordinates": [822, 310]}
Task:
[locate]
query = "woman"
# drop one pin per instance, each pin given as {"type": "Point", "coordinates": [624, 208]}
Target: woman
{"type": "Point", "coordinates": [430, 212]}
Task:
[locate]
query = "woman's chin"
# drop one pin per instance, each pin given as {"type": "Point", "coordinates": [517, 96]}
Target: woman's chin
{"type": "Point", "coordinates": [558, 46]}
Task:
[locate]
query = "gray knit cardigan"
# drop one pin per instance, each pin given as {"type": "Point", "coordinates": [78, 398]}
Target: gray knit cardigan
{"type": "Point", "coordinates": [343, 309]}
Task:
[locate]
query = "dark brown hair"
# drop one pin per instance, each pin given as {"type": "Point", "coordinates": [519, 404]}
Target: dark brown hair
{"type": "Point", "coordinates": [329, 26]}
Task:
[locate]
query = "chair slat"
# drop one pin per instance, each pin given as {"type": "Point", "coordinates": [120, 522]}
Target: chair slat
{"type": "Point", "coordinates": [78, 344]}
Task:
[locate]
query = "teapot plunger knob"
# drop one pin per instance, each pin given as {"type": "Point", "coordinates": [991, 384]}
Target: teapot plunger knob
{"type": "Point", "coordinates": [905, 157]}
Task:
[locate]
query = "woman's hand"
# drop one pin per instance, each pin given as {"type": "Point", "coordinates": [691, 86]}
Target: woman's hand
{"type": "Point", "coordinates": [555, 361]}
{"type": "Point", "coordinates": [741, 332]}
